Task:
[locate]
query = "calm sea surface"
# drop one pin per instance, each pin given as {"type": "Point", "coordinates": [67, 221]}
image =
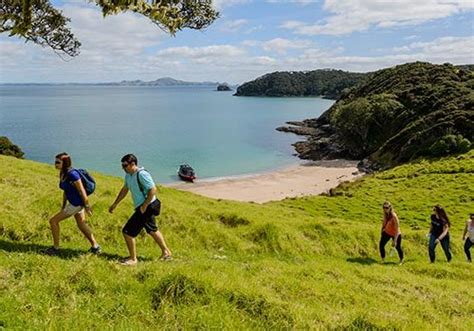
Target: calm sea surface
{"type": "Point", "coordinates": [218, 134]}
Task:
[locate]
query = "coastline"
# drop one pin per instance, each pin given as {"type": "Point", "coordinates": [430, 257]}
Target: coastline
{"type": "Point", "coordinates": [306, 178]}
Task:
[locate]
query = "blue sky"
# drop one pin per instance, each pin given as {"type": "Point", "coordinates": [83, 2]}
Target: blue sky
{"type": "Point", "coordinates": [249, 39]}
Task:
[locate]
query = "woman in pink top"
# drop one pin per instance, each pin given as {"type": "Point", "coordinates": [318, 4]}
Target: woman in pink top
{"type": "Point", "coordinates": [469, 231]}
{"type": "Point", "coordinates": [390, 230]}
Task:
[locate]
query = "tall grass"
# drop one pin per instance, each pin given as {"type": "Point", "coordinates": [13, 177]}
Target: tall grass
{"type": "Point", "coordinates": [302, 263]}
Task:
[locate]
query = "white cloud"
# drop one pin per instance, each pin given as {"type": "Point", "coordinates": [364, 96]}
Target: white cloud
{"type": "Point", "coordinates": [211, 52]}
{"type": "Point", "coordinates": [349, 15]}
{"type": "Point", "coordinates": [281, 45]}
{"type": "Point", "coordinates": [233, 25]}
{"type": "Point", "coordinates": [221, 4]}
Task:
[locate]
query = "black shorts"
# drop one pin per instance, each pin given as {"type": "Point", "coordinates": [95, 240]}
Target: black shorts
{"type": "Point", "coordinates": [138, 221]}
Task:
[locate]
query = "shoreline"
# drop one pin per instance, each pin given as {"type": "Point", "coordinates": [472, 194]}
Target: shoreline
{"type": "Point", "coordinates": [303, 179]}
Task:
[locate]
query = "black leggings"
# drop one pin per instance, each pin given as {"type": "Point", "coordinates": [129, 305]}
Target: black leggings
{"type": "Point", "coordinates": [383, 241]}
{"type": "Point", "coordinates": [467, 245]}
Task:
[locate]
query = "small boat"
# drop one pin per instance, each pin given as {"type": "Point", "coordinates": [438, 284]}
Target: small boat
{"type": "Point", "coordinates": [186, 173]}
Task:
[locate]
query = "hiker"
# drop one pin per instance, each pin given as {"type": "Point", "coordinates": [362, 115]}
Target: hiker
{"type": "Point", "coordinates": [147, 206]}
{"type": "Point", "coordinates": [75, 202]}
{"type": "Point", "coordinates": [469, 230]}
{"type": "Point", "coordinates": [390, 230]}
{"type": "Point", "coordinates": [439, 232]}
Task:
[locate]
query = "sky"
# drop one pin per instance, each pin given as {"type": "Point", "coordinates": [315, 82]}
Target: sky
{"type": "Point", "coordinates": [249, 39]}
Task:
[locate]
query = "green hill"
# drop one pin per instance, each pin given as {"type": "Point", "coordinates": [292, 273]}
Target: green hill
{"type": "Point", "coordinates": [306, 263]}
{"type": "Point", "coordinates": [328, 83]}
{"type": "Point", "coordinates": [398, 114]}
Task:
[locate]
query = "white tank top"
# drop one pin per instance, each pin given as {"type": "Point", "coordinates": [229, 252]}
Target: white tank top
{"type": "Point", "coordinates": [470, 230]}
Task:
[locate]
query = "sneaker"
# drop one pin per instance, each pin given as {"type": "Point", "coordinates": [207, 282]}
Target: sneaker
{"type": "Point", "coordinates": [51, 251]}
{"type": "Point", "coordinates": [95, 250]}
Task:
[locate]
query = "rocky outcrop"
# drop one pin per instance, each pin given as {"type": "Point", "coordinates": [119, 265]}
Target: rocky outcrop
{"type": "Point", "coordinates": [223, 87]}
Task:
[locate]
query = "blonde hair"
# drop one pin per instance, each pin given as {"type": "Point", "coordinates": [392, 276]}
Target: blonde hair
{"type": "Point", "coordinates": [391, 211]}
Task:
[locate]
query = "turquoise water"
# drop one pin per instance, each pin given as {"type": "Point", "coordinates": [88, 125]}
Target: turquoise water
{"type": "Point", "coordinates": [218, 134]}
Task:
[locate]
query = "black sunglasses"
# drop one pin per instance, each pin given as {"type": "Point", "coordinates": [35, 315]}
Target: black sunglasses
{"type": "Point", "coordinates": [57, 162]}
{"type": "Point", "coordinates": [124, 165]}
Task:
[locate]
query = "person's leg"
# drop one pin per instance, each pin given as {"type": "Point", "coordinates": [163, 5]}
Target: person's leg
{"type": "Point", "coordinates": [152, 230]}
{"type": "Point", "coordinates": [431, 248]}
{"type": "Point", "coordinates": [160, 240]}
{"type": "Point", "coordinates": [85, 229]}
{"type": "Point", "coordinates": [399, 248]}
{"type": "Point", "coordinates": [131, 246]}
{"type": "Point", "coordinates": [467, 246]}
{"type": "Point", "coordinates": [445, 246]}
{"type": "Point", "coordinates": [130, 231]}
{"type": "Point", "coordinates": [54, 224]}
{"type": "Point", "coordinates": [383, 241]}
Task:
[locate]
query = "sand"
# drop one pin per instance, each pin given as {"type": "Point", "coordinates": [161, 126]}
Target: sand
{"type": "Point", "coordinates": [307, 178]}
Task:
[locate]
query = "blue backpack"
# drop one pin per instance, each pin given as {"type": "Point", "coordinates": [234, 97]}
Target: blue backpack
{"type": "Point", "coordinates": [87, 181]}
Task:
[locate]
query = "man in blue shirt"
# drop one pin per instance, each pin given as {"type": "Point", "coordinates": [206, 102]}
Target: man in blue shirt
{"type": "Point", "coordinates": [139, 182]}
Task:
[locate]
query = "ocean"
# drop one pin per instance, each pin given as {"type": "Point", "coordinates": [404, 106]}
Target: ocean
{"type": "Point", "coordinates": [218, 134]}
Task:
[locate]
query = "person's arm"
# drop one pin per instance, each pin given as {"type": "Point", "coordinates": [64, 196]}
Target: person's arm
{"type": "Point", "coordinates": [465, 232]}
{"type": "Point", "coordinates": [444, 233]}
{"type": "Point", "coordinates": [64, 200]}
{"type": "Point", "coordinates": [83, 194]}
{"type": "Point", "coordinates": [149, 197]}
{"type": "Point", "coordinates": [397, 227]}
{"type": "Point", "coordinates": [123, 192]}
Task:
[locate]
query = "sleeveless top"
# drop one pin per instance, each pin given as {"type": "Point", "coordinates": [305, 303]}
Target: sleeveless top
{"type": "Point", "coordinates": [389, 227]}
{"type": "Point", "coordinates": [470, 230]}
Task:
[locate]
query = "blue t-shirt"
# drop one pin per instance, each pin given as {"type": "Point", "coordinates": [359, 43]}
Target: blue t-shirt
{"type": "Point", "coordinates": [131, 183]}
{"type": "Point", "coordinates": [72, 194]}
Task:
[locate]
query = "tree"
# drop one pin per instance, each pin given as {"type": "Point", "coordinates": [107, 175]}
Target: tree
{"type": "Point", "coordinates": [9, 148]}
{"type": "Point", "coordinates": [39, 22]}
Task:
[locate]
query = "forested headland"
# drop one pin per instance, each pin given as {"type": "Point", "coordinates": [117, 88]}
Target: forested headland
{"type": "Point", "coordinates": [328, 83]}
{"type": "Point", "coordinates": [396, 115]}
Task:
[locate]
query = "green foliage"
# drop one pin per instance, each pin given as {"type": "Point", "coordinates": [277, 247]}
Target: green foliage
{"type": "Point", "coordinates": [450, 144]}
{"type": "Point", "coordinates": [407, 111]}
{"type": "Point", "coordinates": [328, 83]}
{"type": "Point", "coordinates": [301, 263]}
{"type": "Point", "coordinates": [10, 149]}
{"type": "Point", "coordinates": [364, 123]}
{"type": "Point", "coordinates": [38, 21]}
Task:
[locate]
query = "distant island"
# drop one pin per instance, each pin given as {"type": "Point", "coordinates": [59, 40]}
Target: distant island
{"type": "Point", "coordinates": [223, 87]}
{"type": "Point", "coordinates": [164, 82]}
{"type": "Point", "coordinates": [395, 115]}
{"type": "Point", "coordinates": [327, 83]}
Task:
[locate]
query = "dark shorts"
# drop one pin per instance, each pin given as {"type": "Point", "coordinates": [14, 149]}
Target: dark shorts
{"type": "Point", "coordinates": [138, 221]}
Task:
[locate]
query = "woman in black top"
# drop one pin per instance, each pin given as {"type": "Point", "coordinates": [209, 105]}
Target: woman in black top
{"type": "Point", "coordinates": [439, 233]}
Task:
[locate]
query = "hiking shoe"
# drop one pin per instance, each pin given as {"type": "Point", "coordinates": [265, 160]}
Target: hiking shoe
{"type": "Point", "coordinates": [51, 251]}
{"type": "Point", "coordinates": [95, 250]}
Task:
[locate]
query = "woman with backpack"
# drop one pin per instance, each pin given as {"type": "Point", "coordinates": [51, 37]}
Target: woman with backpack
{"type": "Point", "coordinates": [390, 230]}
{"type": "Point", "coordinates": [75, 202]}
{"type": "Point", "coordinates": [439, 232]}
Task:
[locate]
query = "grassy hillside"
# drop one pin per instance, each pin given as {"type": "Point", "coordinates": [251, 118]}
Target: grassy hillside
{"type": "Point", "coordinates": [309, 263]}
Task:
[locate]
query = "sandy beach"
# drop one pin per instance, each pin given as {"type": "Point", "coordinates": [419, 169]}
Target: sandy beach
{"type": "Point", "coordinates": [307, 178]}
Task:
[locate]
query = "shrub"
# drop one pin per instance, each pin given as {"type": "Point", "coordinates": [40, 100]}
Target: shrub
{"type": "Point", "coordinates": [450, 144]}
{"type": "Point", "coordinates": [10, 149]}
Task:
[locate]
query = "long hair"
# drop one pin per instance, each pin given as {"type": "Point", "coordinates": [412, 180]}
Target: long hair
{"type": "Point", "coordinates": [391, 212]}
{"type": "Point", "coordinates": [442, 214]}
{"type": "Point", "coordinates": [67, 163]}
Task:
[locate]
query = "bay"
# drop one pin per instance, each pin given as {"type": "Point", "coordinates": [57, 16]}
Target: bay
{"type": "Point", "coordinates": [218, 134]}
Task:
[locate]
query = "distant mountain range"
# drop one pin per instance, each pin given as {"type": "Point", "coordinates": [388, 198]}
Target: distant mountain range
{"type": "Point", "coordinates": [164, 82]}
